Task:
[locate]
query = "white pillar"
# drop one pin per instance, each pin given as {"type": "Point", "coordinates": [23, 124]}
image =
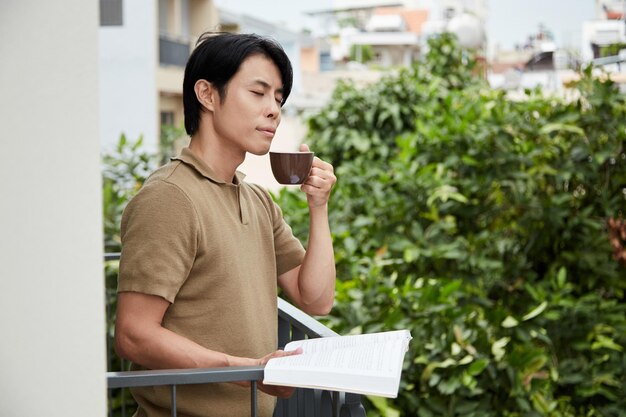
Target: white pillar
{"type": "Point", "coordinates": [52, 354]}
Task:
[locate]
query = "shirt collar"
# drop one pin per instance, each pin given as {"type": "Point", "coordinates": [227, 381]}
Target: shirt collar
{"type": "Point", "coordinates": [188, 157]}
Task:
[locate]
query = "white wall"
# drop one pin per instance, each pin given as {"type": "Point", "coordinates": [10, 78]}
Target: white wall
{"type": "Point", "coordinates": [600, 31]}
{"type": "Point", "coordinates": [128, 60]}
{"type": "Point", "coordinates": [52, 353]}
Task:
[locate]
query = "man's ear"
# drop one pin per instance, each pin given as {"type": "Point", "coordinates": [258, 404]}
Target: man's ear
{"type": "Point", "coordinates": [206, 94]}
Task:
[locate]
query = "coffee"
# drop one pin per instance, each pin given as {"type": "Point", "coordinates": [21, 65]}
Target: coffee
{"type": "Point", "coordinates": [291, 167]}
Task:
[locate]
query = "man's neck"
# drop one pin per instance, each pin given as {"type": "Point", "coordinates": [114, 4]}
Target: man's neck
{"type": "Point", "coordinates": [223, 160]}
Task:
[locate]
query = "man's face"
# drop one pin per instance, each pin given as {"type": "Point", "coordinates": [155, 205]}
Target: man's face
{"type": "Point", "coordinates": [249, 113]}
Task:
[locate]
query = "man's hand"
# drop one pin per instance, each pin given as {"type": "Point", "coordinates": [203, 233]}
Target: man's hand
{"type": "Point", "coordinates": [275, 390]}
{"type": "Point", "coordinates": [320, 181]}
{"type": "Point", "coordinates": [311, 285]}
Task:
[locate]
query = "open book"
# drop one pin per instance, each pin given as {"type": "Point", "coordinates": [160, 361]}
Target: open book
{"type": "Point", "coordinates": [368, 364]}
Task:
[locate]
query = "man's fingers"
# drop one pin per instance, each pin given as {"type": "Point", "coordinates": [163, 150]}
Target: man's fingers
{"type": "Point", "coordinates": [322, 173]}
{"type": "Point", "coordinates": [288, 352]}
{"type": "Point", "coordinates": [317, 182]}
{"type": "Point", "coordinates": [321, 179]}
{"type": "Point", "coordinates": [277, 391]}
{"type": "Point", "coordinates": [279, 354]}
{"type": "Point", "coordinates": [294, 352]}
{"type": "Point", "coordinates": [318, 163]}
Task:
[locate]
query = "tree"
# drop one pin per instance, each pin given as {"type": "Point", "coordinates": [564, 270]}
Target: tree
{"type": "Point", "coordinates": [480, 224]}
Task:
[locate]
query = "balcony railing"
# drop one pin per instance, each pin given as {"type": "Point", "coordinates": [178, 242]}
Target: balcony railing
{"type": "Point", "coordinates": [293, 324]}
{"type": "Point", "coordinates": [609, 60]}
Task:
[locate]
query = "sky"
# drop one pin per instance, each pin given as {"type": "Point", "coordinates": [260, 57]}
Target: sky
{"type": "Point", "coordinates": [511, 21]}
{"type": "Point", "coordinates": [508, 21]}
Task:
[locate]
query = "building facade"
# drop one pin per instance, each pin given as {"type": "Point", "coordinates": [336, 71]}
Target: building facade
{"type": "Point", "coordinates": [143, 48]}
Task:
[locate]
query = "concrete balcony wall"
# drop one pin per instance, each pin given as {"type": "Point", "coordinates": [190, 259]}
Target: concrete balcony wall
{"type": "Point", "coordinates": [52, 354]}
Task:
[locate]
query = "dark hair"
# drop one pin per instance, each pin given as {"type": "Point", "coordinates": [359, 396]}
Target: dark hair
{"type": "Point", "coordinates": [217, 57]}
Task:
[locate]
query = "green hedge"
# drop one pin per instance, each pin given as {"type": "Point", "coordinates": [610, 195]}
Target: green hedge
{"type": "Point", "coordinates": [124, 170]}
{"type": "Point", "coordinates": [480, 223]}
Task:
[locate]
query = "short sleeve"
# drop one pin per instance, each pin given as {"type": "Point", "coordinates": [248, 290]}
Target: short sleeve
{"type": "Point", "coordinates": [159, 232]}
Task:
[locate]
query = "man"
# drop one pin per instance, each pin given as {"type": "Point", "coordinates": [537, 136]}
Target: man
{"type": "Point", "coordinates": [203, 251]}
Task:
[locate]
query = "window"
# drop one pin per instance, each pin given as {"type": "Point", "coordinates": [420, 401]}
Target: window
{"type": "Point", "coordinates": [167, 118]}
{"type": "Point", "coordinates": [173, 52]}
{"type": "Point", "coordinates": [111, 13]}
{"type": "Point", "coordinates": [449, 13]}
{"type": "Point", "coordinates": [326, 61]}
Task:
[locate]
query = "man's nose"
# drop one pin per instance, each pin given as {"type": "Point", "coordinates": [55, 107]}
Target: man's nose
{"type": "Point", "coordinates": [273, 109]}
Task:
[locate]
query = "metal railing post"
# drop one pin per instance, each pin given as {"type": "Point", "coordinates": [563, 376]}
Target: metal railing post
{"type": "Point", "coordinates": [352, 406]}
{"type": "Point", "coordinates": [173, 400]}
{"type": "Point", "coordinates": [326, 404]}
{"type": "Point", "coordinates": [253, 398]}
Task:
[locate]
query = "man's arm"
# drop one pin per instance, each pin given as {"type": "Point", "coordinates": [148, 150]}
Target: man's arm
{"type": "Point", "coordinates": [311, 286]}
{"type": "Point", "coordinates": [140, 338]}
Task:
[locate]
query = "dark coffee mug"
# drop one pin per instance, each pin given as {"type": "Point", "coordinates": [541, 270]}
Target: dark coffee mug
{"type": "Point", "coordinates": [291, 167]}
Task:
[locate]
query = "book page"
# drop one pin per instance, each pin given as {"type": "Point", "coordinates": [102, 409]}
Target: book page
{"type": "Point", "coordinates": [330, 343]}
{"type": "Point", "coordinates": [375, 358]}
{"type": "Point", "coordinates": [317, 379]}
{"type": "Point", "coordinates": [367, 364]}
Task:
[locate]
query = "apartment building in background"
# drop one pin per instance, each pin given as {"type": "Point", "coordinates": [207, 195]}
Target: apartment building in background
{"type": "Point", "coordinates": [143, 48]}
{"type": "Point", "coordinates": [606, 34]}
{"type": "Point", "coordinates": [391, 33]}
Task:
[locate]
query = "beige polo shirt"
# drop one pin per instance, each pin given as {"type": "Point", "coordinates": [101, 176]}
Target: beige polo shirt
{"type": "Point", "coordinates": [214, 250]}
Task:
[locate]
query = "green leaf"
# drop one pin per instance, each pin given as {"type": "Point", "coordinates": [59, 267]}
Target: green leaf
{"type": "Point", "coordinates": [561, 277]}
{"type": "Point", "coordinates": [446, 363]}
{"type": "Point", "coordinates": [556, 127]}
{"type": "Point", "coordinates": [448, 386]}
{"type": "Point", "coordinates": [445, 193]}
{"type": "Point", "coordinates": [451, 288]}
{"type": "Point", "coordinates": [605, 342]}
{"type": "Point", "coordinates": [535, 311]}
{"type": "Point", "coordinates": [497, 348]}
{"type": "Point", "coordinates": [465, 360]}
{"type": "Point", "coordinates": [541, 404]}
{"type": "Point", "coordinates": [509, 322]}
{"type": "Point", "coordinates": [383, 406]}
{"type": "Point", "coordinates": [477, 367]}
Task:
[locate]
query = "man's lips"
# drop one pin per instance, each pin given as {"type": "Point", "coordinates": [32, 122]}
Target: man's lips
{"type": "Point", "coordinates": [269, 131]}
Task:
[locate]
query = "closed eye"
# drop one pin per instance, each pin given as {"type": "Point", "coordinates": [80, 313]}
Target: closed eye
{"type": "Point", "coordinates": [279, 100]}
